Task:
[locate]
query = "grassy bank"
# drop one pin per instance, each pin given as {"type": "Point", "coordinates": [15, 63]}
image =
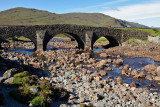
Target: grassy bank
{"type": "Point", "coordinates": [153, 32]}
{"type": "Point", "coordinates": [101, 39]}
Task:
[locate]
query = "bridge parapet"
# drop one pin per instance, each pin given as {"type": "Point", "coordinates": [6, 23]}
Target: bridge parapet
{"type": "Point", "coordinates": [84, 35]}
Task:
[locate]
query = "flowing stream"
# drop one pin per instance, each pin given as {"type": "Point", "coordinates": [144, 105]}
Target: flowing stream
{"type": "Point", "coordinates": [132, 62]}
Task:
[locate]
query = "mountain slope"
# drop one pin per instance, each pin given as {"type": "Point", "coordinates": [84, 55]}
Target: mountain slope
{"type": "Point", "coordinates": [26, 16]}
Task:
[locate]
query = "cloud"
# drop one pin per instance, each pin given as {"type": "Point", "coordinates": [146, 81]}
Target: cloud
{"type": "Point", "coordinates": [134, 12]}
{"type": "Point", "coordinates": [97, 6]}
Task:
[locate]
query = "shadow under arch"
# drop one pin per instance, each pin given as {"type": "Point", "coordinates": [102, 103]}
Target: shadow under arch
{"type": "Point", "coordinates": [48, 37]}
{"type": "Point", "coordinates": [112, 41]}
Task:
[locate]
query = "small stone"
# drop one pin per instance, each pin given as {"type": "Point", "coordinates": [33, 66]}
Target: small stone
{"type": "Point", "coordinates": [34, 90]}
{"type": "Point", "coordinates": [109, 69]}
{"type": "Point", "coordinates": [9, 80]}
{"type": "Point", "coordinates": [103, 73]}
{"type": "Point", "coordinates": [9, 73]}
{"type": "Point", "coordinates": [63, 105]}
{"type": "Point", "coordinates": [157, 78]}
{"type": "Point", "coordinates": [133, 84]}
{"type": "Point", "coordinates": [120, 80]}
{"type": "Point", "coordinates": [119, 62]}
{"type": "Point", "coordinates": [71, 97]}
{"type": "Point", "coordinates": [82, 100]}
{"type": "Point", "coordinates": [96, 97]}
{"type": "Point", "coordinates": [149, 77]}
{"type": "Point", "coordinates": [95, 74]}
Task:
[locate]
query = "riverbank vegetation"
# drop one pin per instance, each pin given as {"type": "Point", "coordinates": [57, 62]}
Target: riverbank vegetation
{"type": "Point", "coordinates": [33, 90]}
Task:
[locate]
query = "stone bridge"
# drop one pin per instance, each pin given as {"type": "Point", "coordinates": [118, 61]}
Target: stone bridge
{"type": "Point", "coordinates": [85, 36]}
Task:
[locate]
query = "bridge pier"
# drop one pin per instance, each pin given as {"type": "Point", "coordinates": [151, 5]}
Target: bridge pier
{"type": "Point", "coordinates": [40, 34]}
{"type": "Point", "coordinates": [88, 40]}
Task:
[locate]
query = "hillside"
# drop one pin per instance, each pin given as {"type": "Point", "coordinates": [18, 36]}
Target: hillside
{"type": "Point", "coordinates": [26, 16]}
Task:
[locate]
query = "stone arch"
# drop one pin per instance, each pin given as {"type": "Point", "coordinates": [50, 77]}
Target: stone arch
{"type": "Point", "coordinates": [5, 37]}
{"type": "Point", "coordinates": [48, 37]}
{"type": "Point", "coordinates": [112, 41]}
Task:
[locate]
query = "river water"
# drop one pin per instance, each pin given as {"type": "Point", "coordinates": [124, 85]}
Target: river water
{"type": "Point", "coordinates": [132, 62]}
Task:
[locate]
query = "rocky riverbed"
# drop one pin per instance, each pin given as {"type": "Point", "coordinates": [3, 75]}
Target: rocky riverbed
{"type": "Point", "coordinates": [104, 78]}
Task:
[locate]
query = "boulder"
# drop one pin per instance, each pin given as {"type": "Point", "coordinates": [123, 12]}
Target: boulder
{"type": "Point", "coordinates": [9, 80]}
{"type": "Point", "coordinates": [103, 73]}
{"type": "Point", "coordinates": [157, 78]}
{"type": "Point", "coordinates": [158, 71]}
{"type": "Point", "coordinates": [9, 73]}
{"type": "Point", "coordinates": [119, 62]}
{"type": "Point", "coordinates": [133, 84]}
{"type": "Point", "coordinates": [104, 55]}
{"type": "Point", "coordinates": [149, 77]}
{"type": "Point", "coordinates": [150, 68]}
{"type": "Point", "coordinates": [95, 74]}
{"type": "Point", "coordinates": [134, 73]}
{"type": "Point", "coordinates": [120, 80]}
{"type": "Point", "coordinates": [109, 69]}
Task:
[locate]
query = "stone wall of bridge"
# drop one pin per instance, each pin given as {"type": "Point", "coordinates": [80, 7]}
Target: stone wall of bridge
{"type": "Point", "coordinates": [85, 36]}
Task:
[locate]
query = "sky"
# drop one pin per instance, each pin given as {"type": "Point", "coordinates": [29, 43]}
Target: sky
{"type": "Point", "coordinates": [146, 12]}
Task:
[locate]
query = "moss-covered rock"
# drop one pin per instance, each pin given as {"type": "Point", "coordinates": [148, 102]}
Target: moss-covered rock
{"type": "Point", "coordinates": [45, 94]}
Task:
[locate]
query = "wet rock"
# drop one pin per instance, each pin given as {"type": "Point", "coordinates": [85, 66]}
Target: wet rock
{"type": "Point", "coordinates": [158, 71]}
{"type": "Point", "coordinates": [109, 69]}
{"type": "Point", "coordinates": [92, 60]}
{"type": "Point", "coordinates": [149, 77]}
{"type": "Point", "coordinates": [95, 74]}
{"type": "Point", "coordinates": [141, 75]}
{"type": "Point", "coordinates": [119, 62]}
{"type": "Point", "coordinates": [150, 68]}
{"type": "Point", "coordinates": [133, 84]}
{"type": "Point", "coordinates": [97, 78]}
{"type": "Point", "coordinates": [89, 72]}
{"type": "Point", "coordinates": [134, 73]}
{"type": "Point", "coordinates": [103, 55]}
{"type": "Point", "coordinates": [109, 60]}
{"type": "Point", "coordinates": [120, 80]}
{"type": "Point", "coordinates": [124, 73]}
{"type": "Point", "coordinates": [120, 68]}
{"type": "Point", "coordinates": [157, 78]}
{"type": "Point", "coordinates": [126, 67]}
{"type": "Point", "coordinates": [103, 73]}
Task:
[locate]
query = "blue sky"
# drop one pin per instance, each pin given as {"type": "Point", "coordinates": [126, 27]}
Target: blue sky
{"type": "Point", "coordinates": [145, 12]}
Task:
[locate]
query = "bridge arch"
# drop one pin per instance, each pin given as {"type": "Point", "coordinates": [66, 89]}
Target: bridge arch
{"type": "Point", "coordinates": [48, 37]}
{"type": "Point", "coordinates": [3, 38]}
{"type": "Point", "coordinates": [112, 41]}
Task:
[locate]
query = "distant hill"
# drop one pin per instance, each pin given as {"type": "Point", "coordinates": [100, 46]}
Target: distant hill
{"type": "Point", "coordinates": [28, 16]}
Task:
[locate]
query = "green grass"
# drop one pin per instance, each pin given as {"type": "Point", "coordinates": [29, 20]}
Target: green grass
{"type": "Point", "coordinates": [39, 101]}
{"type": "Point", "coordinates": [23, 38]}
{"type": "Point", "coordinates": [27, 16]}
{"type": "Point", "coordinates": [153, 32]}
{"type": "Point", "coordinates": [25, 81]}
{"type": "Point", "coordinates": [61, 35]}
{"type": "Point", "coordinates": [101, 39]}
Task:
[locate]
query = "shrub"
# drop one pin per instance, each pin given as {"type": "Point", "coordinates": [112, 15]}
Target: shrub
{"type": "Point", "coordinates": [21, 97]}
{"type": "Point", "coordinates": [39, 101]}
{"type": "Point", "coordinates": [47, 92]}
